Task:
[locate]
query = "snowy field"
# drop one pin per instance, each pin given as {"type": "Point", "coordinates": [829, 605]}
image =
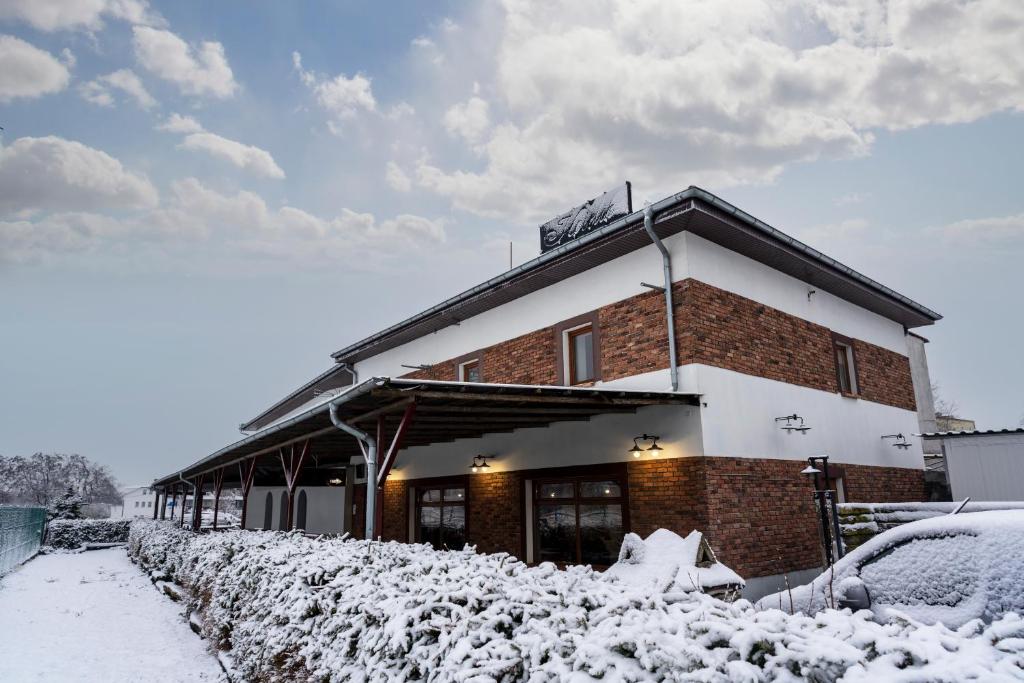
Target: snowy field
{"type": "Point", "coordinates": [94, 616]}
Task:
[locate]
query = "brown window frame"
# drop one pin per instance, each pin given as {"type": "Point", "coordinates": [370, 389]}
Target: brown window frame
{"type": "Point", "coordinates": [421, 485]}
{"type": "Point", "coordinates": [840, 342]}
{"type": "Point", "coordinates": [465, 367]}
{"type": "Point", "coordinates": [570, 342]}
{"type": "Point", "coordinates": [578, 475]}
{"type": "Point", "coordinates": [468, 359]}
{"type": "Point", "coordinates": [563, 349]}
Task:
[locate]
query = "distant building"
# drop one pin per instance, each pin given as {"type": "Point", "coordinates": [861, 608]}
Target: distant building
{"type": "Point", "coordinates": [984, 465]}
{"type": "Point", "coordinates": [949, 423]}
{"type": "Point", "coordinates": [137, 501]}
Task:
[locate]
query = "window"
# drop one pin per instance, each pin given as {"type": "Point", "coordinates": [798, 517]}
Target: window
{"type": "Point", "coordinates": [846, 367]}
{"type": "Point", "coordinates": [441, 516]}
{"type": "Point", "coordinates": [283, 516]}
{"type": "Point", "coordinates": [136, 503]}
{"type": "Point", "coordinates": [268, 510]}
{"type": "Point", "coordinates": [300, 516]}
{"type": "Point", "coordinates": [580, 343]}
{"type": "Point", "coordinates": [579, 520]}
{"type": "Point", "coordinates": [470, 371]}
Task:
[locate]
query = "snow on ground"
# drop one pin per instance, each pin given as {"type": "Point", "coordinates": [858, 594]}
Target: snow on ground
{"type": "Point", "coordinates": [94, 616]}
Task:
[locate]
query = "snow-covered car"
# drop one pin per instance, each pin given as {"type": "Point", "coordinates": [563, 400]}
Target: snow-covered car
{"type": "Point", "coordinates": [948, 569]}
{"type": "Point", "coordinates": [666, 561]}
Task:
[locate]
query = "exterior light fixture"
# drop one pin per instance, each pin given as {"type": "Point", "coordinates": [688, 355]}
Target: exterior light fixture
{"type": "Point", "coordinates": [654, 449]}
{"type": "Point", "coordinates": [335, 482]}
{"type": "Point", "coordinates": [479, 463]}
{"type": "Point", "coordinates": [900, 441]}
{"type": "Point", "coordinates": [794, 423]}
{"type": "Point", "coordinates": [810, 471]}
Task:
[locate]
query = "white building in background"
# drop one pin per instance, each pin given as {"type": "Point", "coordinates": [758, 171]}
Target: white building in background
{"type": "Point", "coordinates": [984, 465]}
{"type": "Point", "coordinates": [137, 501]}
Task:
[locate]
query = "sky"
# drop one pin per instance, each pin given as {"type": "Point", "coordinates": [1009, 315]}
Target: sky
{"type": "Point", "coordinates": [200, 201]}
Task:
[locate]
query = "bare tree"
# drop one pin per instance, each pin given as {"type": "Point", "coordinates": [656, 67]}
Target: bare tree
{"type": "Point", "coordinates": [42, 477]}
{"type": "Point", "coordinates": [943, 406]}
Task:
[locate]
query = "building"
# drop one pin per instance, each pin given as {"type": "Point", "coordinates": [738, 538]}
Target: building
{"type": "Point", "coordinates": [136, 501]}
{"type": "Point", "coordinates": [985, 465]}
{"type": "Point", "coordinates": [671, 368]}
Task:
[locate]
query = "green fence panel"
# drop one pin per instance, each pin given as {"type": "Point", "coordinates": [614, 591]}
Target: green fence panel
{"type": "Point", "coordinates": [21, 534]}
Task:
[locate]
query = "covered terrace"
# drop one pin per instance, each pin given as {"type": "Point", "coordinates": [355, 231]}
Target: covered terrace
{"type": "Point", "coordinates": [371, 422]}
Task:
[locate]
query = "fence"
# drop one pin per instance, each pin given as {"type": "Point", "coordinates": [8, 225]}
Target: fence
{"type": "Point", "coordinates": [21, 534]}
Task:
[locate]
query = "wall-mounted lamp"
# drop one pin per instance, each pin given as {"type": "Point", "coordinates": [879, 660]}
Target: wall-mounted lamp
{"type": "Point", "coordinates": [794, 423]}
{"type": "Point", "coordinates": [901, 441]}
{"type": "Point", "coordinates": [654, 450]}
{"type": "Point", "coordinates": [335, 482]}
{"type": "Point", "coordinates": [479, 463]}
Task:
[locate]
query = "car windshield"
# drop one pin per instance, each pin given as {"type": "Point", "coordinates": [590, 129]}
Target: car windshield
{"type": "Point", "coordinates": [940, 571]}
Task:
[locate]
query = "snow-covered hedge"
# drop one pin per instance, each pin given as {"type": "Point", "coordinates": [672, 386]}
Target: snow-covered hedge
{"type": "Point", "coordinates": [74, 533]}
{"type": "Point", "coordinates": [860, 522]}
{"type": "Point", "coordinates": [293, 608]}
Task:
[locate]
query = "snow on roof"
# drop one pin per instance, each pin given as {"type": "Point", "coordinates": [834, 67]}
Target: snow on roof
{"type": "Point", "coordinates": [971, 432]}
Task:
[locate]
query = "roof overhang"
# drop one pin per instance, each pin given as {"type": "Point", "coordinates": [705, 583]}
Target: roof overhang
{"type": "Point", "coordinates": [445, 411]}
{"type": "Point", "coordinates": [694, 210]}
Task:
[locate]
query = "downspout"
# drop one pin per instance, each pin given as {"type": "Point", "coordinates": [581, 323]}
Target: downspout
{"type": "Point", "coordinates": [371, 467]}
{"type": "Point", "coordinates": [350, 369]}
{"type": "Point", "coordinates": [666, 261]}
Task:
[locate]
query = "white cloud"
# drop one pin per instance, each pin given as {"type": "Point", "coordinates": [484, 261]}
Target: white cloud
{"type": "Point", "coordinates": [200, 70]}
{"type": "Point", "coordinates": [469, 120]}
{"type": "Point", "coordinates": [341, 96]}
{"type": "Point", "coordinates": [397, 178]}
{"type": "Point", "coordinates": [176, 123]}
{"type": "Point", "coordinates": [54, 174]}
{"type": "Point", "coordinates": [27, 71]}
{"type": "Point", "coordinates": [585, 93]}
{"type": "Point", "coordinates": [242, 221]}
{"type": "Point", "coordinates": [98, 90]}
{"type": "Point", "coordinates": [246, 157]}
{"type": "Point", "coordinates": [1000, 231]}
{"type": "Point", "coordinates": [54, 15]}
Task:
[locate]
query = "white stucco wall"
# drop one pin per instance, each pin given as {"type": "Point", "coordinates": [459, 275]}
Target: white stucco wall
{"type": "Point", "coordinates": [325, 508]}
{"type": "Point", "coordinates": [986, 468]}
{"type": "Point", "coordinates": [604, 439]}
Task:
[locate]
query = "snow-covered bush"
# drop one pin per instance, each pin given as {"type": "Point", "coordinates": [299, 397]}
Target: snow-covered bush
{"type": "Point", "coordinates": [74, 533]}
{"type": "Point", "coordinates": [293, 608]}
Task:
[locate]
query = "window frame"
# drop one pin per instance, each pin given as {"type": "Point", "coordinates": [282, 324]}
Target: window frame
{"type": "Point", "coordinates": [570, 343]}
{"type": "Point", "coordinates": [420, 485]}
{"type": "Point", "coordinates": [465, 367]}
{"type": "Point", "coordinates": [563, 350]}
{"type": "Point", "coordinates": [469, 359]}
{"type": "Point", "coordinates": [577, 475]}
{"type": "Point", "coordinates": [848, 348]}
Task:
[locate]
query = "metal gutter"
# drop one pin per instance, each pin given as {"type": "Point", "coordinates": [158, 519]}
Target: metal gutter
{"type": "Point", "coordinates": [666, 264]}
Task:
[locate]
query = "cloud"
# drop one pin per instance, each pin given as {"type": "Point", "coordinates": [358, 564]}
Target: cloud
{"type": "Point", "coordinates": [469, 120]}
{"type": "Point", "coordinates": [176, 123]}
{"type": "Point", "coordinates": [27, 71]}
{"type": "Point", "coordinates": [194, 214]}
{"type": "Point", "coordinates": [585, 94]}
{"type": "Point", "coordinates": [98, 91]}
{"type": "Point", "coordinates": [201, 70]}
{"type": "Point", "coordinates": [246, 157]}
{"type": "Point", "coordinates": [54, 174]}
{"type": "Point", "coordinates": [55, 15]}
{"type": "Point", "coordinates": [342, 97]}
{"type": "Point", "coordinates": [396, 178]}
{"type": "Point", "coordinates": [1000, 231]}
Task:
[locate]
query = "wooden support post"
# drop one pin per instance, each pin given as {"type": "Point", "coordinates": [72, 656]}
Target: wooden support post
{"type": "Point", "coordinates": [292, 470]}
{"type": "Point", "coordinates": [246, 474]}
{"type": "Point", "coordinates": [197, 505]}
{"type": "Point", "coordinates": [184, 497]}
{"type": "Point", "coordinates": [387, 459]}
{"type": "Point", "coordinates": [163, 508]}
{"type": "Point", "coordinates": [218, 484]}
{"type": "Point", "coordinates": [156, 502]}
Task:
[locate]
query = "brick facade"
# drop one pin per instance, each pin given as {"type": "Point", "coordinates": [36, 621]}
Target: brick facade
{"type": "Point", "coordinates": [757, 514]}
{"type": "Point", "coordinates": [713, 327]}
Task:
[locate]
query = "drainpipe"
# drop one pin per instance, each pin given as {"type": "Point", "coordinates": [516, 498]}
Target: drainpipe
{"type": "Point", "coordinates": [666, 261]}
{"type": "Point", "coordinates": [351, 370]}
{"type": "Point", "coordinates": [371, 467]}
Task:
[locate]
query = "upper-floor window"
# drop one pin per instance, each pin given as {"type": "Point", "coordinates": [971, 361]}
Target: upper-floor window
{"type": "Point", "coordinates": [470, 371]}
{"type": "Point", "coordinates": [846, 365]}
{"type": "Point", "coordinates": [580, 347]}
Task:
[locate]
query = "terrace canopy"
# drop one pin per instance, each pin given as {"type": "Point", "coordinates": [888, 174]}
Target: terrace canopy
{"type": "Point", "coordinates": [400, 413]}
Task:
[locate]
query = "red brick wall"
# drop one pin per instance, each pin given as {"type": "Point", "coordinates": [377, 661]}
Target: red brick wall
{"type": "Point", "coordinates": [667, 493]}
{"type": "Point", "coordinates": [726, 330]}
{"type": "Point", "coordinates": [495, 512]}
{"type": "Point", "coordinates": [395, 524]}
{"type": "Point", "coordinates": [869, 484]}
{"type": "Point", "coordinates": [713, 327]}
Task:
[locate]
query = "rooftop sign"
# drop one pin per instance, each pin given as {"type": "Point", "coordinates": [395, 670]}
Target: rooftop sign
{"type": "Point", "coordinates": [587, 217]}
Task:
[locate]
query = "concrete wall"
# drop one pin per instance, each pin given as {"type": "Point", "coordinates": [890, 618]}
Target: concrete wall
{"type": "Point", "coordinates": [325, 508]}
{"type": "Point", "coordinates": [986, 468]}
{"type": "Point", "coordinates": [922, 390]}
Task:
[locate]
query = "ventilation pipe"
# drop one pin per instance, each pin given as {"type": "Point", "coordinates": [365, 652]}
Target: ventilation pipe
{"type": "Point", "coordinates": [666, 260]}
{"type": "Point", "coordinates": [370, 451]}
